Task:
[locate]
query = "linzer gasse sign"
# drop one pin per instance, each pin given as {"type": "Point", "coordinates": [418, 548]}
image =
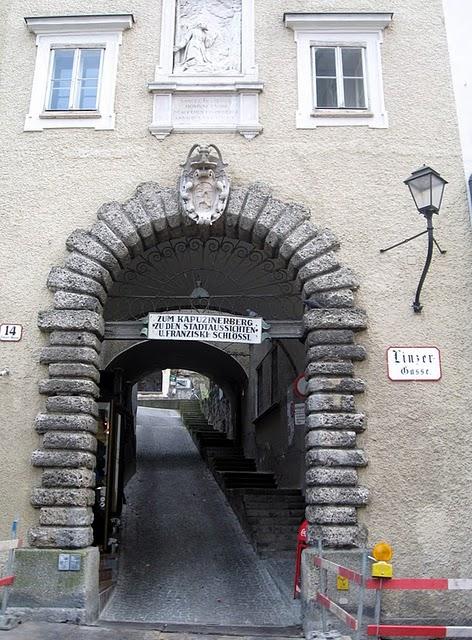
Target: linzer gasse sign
{"type": "Point", "coordinates": [190, 326]}
{"type": "Point", "coordinates": [414, 363]}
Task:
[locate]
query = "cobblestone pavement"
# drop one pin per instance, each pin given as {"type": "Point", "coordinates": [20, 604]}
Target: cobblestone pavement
{"type": "Point", "coordinates": [184, 557]}
{"type": "Point", "coordinates": [45, 631]}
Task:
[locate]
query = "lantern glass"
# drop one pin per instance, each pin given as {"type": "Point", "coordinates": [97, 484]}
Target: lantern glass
{"type": "Point", "coordinates": [427, 188]}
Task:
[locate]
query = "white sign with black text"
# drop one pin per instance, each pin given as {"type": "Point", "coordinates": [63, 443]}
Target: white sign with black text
{"type": "Point", "coordinates": [10, 332]}
{"type": "Point", "coordinates": [190, 326]}
{"type": "Point", "coordinates": [414, 363]}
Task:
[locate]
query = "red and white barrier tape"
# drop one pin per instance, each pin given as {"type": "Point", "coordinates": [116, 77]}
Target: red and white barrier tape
{"type": "Point", "coordinates": [336, 610]}
{"type": "Point", "coordinates": [433, 584]}
{"type": "Point", "coordinates": [418, 631]}
{"type": "Point", "coordinates": [338, 569]}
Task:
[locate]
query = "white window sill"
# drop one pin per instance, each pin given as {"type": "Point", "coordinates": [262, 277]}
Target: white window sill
{"type": "Point", "coordinates": [70, 114]}
{"type": "Point", "coordinates": [341, 113]}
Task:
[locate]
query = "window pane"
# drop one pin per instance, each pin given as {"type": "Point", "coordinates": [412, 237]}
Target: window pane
{"type": "Point", "coordinates": [326, 93]}
{"type": "Point", "coordinates": [352, 63]}
{"type": "Point", "coordinates": [89, 70]}
{"type": "Point", "coordinates": [354, 93]}
{"type": "Point", "coordinates": [61, 79]}
{"type": "Point", "coordinates": [325, 62]}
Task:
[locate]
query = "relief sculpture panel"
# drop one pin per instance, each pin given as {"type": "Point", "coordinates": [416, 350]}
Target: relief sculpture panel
{"type": "Point", "coordinates": [207, 37]}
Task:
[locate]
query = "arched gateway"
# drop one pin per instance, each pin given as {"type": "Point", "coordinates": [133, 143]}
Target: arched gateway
{"type": "Point", "coordinates": [76, 328]}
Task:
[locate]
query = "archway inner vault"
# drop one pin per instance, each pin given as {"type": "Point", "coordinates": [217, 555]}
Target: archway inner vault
{"type": "Point", "coordinates": [96, 261]}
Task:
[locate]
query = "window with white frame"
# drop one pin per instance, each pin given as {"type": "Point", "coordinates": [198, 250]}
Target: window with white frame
{"type": "Point", "coordinates": [338, 77]}
{"type": "Point", "coordinates": [339, 68]}
{"type": "Point", "coordinates": [74, 79]}
{"type": "Point", "coordinates": [75, 72]}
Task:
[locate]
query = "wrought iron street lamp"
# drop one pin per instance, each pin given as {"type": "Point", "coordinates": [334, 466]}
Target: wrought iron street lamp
{"type": "Point", "coordinates": [427, 189]}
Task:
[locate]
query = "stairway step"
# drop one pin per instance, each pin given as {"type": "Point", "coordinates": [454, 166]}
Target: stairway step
{"type": "Point", "coordinates": [270, 521]}
{"type": "Point", "coordinates": [275, 513]}
{"type": "Point", "coordinates": [285, 492]}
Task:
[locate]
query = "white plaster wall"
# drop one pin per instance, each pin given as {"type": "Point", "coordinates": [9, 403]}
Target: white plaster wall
{"type": "Point", "coordinates": [417, 438]}
{"type": "Point", "coordinates": [458, 17]}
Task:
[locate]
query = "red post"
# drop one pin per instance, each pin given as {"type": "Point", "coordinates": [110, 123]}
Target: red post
{"type": "Point", "coordinates": [301, 544]}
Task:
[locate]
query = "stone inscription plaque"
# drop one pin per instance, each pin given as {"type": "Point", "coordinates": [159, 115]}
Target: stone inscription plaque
{"type": "Point", "coordinates": [205, 110]}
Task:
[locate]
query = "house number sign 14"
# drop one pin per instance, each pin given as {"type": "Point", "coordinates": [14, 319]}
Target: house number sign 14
{"type": "Point", "coordinates": [10, 332]}
{"type": "Point", "coordinates": [414, 363]}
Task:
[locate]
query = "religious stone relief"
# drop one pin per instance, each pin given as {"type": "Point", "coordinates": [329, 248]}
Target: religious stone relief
{"type": "Point", "coordinates": [204, 185]}
{"type": "Point", "coordinates": [207, 79]}
{"type": "Point", "coordinates": [207, 37]}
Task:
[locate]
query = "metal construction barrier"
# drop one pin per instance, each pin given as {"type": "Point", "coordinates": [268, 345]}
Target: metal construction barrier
{"type": "Point", "coordinates": [6, 581]}
{"type": "Point", "coordinates": [361, 579]}
{"type": "Point", "coordinates": [327, 604]}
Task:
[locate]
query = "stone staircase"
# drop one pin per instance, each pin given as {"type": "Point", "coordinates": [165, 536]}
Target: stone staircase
{"type": "Point", "coordinates": [269, 515]}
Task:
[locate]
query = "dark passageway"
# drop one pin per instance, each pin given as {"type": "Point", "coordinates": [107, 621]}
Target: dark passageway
{"type": "Point", "coordinates": [184, 558]}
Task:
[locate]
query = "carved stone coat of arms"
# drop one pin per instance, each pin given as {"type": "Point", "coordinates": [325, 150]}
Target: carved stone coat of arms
{"type": "Point", "coordinates": [204, 185]}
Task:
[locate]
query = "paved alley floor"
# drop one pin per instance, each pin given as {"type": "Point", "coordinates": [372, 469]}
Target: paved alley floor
{"type": "Point", "coordinates": [51, 631]}
{"type": "Point", "coordinates": [184, 558]}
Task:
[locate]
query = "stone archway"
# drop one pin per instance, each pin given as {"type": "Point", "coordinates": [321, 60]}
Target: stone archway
{"type": "Point", "coordinates": [76, 327]}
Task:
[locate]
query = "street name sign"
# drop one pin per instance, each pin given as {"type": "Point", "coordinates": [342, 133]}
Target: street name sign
{"type": "Point", "coordinates": [204, 327]}
{"type": "Point", "coordinates": [414, 363]}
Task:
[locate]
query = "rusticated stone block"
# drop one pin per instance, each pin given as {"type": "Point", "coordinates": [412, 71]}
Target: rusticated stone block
{"type": "Point", "coordinates": [83, 242]}
{"type": "Point", "coordinates": [69, 387]}
{"type": "Point", "coordinates": [336, 352]}
{"type": "Point", "coordinates": [320, 368]}
{"type": "Point", "coordinates": [72, 404]}
{"type": "Point", "coordinates": [330, 439]}
{"type": "Point", "coordinates": [141, 220]}
{"type": "Point", "coordinates": [268, 218]}
{"type": "Point", "coordinates": [74, 339]}
{"type": "Point", "coordinates": [85, 355]}
{"type": "Point", "coordinates": [60, 537]}
{"type": "Point", "coordinates": [342, 278]}
{"type": "Point", "coordinates": [81, 301]}
{"type": "Point", "coordinates": [336, 536]}
{"type": "Point", "coordinates": [74, 370]}
{"type": "Point", "coordinates": [330, 402]}
{"type": "Point", "coordinates": [90, 268]}
{"type": "Point", "coordinates": [111, 241]}
{"type": "Point", "coordinates": [338, 299]}
{"type": "Point", "coordinates": [44, 497]}
{"type": "Point", "coordinates": [331, 515]}
{"type": "Point", "coordinates": [339, 476]}
{"type": "Point", "coordinates": [348, 421]}
{"type": "Point", "coordinates": [66, 516]}
{"type": "Point", "coordinates": [335, 385]}
{"type": "Point", "coordinates": [171, 207]}
{"type": "Point", "coordinates": [296, 215]}
{"type": "Point", "coordinates": [329, 337]}
{"type": "Point", "coordinates": [52, 422]}
{"type": "Point", "coordinates": [318, 266]}
{"type": "Point", "coordinates": [71, 320]}
{"type": "Point", "coordinates": [237, 197]}
{"type": "Point", "coordinates": [354, 319]}
{"type": "Point", "coordinates": [60, 278]}
{"type": "Point", "coordinates": [336, 458]}
{"type": "Point", "coordinates": [298, 237]}
{"type": "Point", "coordinates": [325, 241]}
{"type": "Point", "coordinates": [149, 196]}
{"type": "Point", "coordinates": [356, 496]}
{"type": "Point", "coordinates": [63, 458]}
{"type": "Point", "coordinates": [73, 478]}
{"type": "Point", "coordinates": [257, 198]}
{"type": "Point", "coordinates": [82, 441]}
{"type": "Point", "coordinates": [113, 215]}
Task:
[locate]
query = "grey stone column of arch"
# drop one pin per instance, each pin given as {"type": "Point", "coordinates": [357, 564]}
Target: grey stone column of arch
{"type": "Point", "coordinates": [76, 328]}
